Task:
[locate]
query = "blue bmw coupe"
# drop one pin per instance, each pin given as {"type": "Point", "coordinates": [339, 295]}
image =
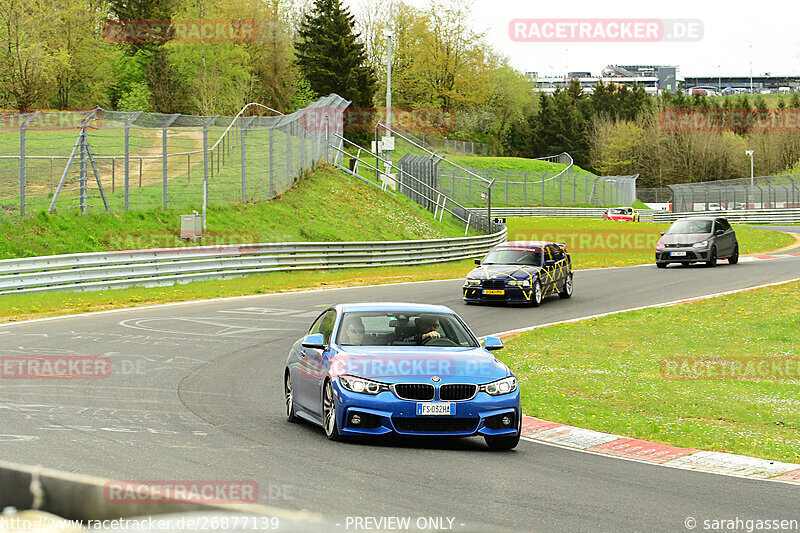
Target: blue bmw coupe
{"type": "Point", "coordinates": [407, 369]}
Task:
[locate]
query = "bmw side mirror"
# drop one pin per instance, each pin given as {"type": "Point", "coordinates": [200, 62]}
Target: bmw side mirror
{"type": "Point", "coordinates": [719, 232]}
{"type": "Point", "coordinates": [492, 344]}
{"type": "Point", "coordinates": [314, 341]}
{"type": "Point", "coordinates": [477, 261]}
{"type": "Point", "coordinates": [663, 232]}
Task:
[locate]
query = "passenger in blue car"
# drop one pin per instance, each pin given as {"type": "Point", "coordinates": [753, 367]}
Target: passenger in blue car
{"type": "Point", "coordinates": [353, 332]}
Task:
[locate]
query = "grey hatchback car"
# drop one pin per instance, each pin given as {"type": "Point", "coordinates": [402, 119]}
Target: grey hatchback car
{"type": "Point", "coordinates": [697, 240]}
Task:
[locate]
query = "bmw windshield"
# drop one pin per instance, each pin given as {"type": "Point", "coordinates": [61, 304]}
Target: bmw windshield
{"type": "Point", "coordinates": [382, 328]}
{"type": "Point", "coordinates": [513, 257]}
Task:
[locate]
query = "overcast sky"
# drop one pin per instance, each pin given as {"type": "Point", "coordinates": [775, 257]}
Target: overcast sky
{"type": "Point", "coordinates": [729, 29]}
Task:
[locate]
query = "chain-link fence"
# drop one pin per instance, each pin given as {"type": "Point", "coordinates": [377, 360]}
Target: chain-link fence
{"type": "Point", "coordinates": [518, 188]}
{"type": "Point", "coordinates": [102, 160]}
{"type": "Point", "coordinates": [656, 195]}
{"type": "Point", "coordinates": [765, 192]}
{"type": "Point", "coordinates": [450, 146]}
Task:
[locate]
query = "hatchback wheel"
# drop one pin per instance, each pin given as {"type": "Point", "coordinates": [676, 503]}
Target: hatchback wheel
{"type": "Point", "coordinates": [712, 258]}
{"type": "Point", "coordinates": [732, 260]}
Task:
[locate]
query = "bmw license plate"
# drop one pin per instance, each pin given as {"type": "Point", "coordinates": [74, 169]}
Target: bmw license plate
{"type": "Point", "coordinates": [678, 254]}
{"type": "Point", "coordinates": [436, 409]}
{"type": "Point", "coordinates": [494, 291]}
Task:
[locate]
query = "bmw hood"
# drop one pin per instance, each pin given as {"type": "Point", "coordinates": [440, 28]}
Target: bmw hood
{"type": "Point", "coordinates": [419, 364]}
{"type": "Point", "coordinates": [518, 272]}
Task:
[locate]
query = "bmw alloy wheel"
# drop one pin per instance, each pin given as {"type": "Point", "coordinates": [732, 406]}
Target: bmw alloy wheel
{"type": "Point", "coordinates": [567, 292]}
{"type": "Point", "coordinates": [536, 300]}
{"type": "Point", "coordinates": [287, 387]}
{"type": "Point", "coordinates": [329, 413]}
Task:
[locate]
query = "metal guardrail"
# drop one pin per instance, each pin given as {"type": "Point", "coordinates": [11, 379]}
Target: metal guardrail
{"type": "Point", "coordinates": [83, 497]}
{"type": "Point", "coordinates": [559, 212]}
{"type": "Point", "coordinates": [110, 270]}
{"type": "Point", "coordinates": [751, 216]}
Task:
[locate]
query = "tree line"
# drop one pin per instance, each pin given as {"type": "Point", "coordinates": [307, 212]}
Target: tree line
{"type": "Point", "coordinates": [78, 54]}
{"type": "Point", "coordinates": [668, 138]}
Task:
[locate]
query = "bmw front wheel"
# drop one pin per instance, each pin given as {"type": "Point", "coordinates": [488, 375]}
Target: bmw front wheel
{"type": "Point", "coordinates": [536, 296]}
{"type": "Point", "coordinates": [329, 413]}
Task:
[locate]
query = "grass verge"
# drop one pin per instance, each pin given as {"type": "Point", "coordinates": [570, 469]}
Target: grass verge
{"type": "Point", "coordinates": [609, 374]}
{"type": "Point", "coordinates": [18, 307]}
{"type": "Point", "coordinates": [604, 243]}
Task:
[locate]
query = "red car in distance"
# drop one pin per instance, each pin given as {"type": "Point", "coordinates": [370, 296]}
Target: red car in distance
{"type": "Point", "coordinates": [621, 214]}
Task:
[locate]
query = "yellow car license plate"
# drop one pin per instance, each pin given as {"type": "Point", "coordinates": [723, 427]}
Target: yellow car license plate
{"type": "Point", "coordinates": [493, 291]}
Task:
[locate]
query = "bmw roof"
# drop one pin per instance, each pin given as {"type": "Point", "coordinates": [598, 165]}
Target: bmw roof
{"type": "Point", "coordinates": [394, 306]}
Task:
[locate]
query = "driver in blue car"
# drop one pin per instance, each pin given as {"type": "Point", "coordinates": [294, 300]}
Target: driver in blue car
{"type": "Point", "coordinates": [427, 328]}
{"type": "Point", "coordinates": [353, 332]}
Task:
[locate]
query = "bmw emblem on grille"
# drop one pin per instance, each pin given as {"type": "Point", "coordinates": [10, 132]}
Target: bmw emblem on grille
{"type": "Point", "coordinates": [436, 379]}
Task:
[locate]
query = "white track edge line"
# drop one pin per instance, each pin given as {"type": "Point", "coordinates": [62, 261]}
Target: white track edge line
{"type": "Point", "coordinates": [676, 467]}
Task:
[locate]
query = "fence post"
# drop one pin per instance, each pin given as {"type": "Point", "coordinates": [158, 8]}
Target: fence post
{"type": "Point", "coordinates": [302, 138]}
{"type": "Point", "coordinates": [128, 123]}
{"type": "Point", "coordinates": [525, 189]}
{"type": "Point", "coordinates": [271, 165]}
{"type": "Point", "coordinates": [23, 164]}
{"type": "Point", "coordinates": [244, 162]}
{"type": "Point", "coordinates": [289, 154]}
{"type": "Point", "coordinates": [82, 175]}
{"type": "Point", "coordinates": [170, 120]}
{"type": "Point", "coordinates": [206, 165]}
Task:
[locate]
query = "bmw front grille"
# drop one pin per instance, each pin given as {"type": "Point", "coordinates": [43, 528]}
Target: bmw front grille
{"type": "Point", "coordinates": [457, 392]}
{"type": "Point", "coordinates": [414, 391]}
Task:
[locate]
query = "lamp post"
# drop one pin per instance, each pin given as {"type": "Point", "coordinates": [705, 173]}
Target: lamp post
{"type": "Point", "coordinates": [750, 153]}
{"type": "Point", "coordinates": [389, 33]}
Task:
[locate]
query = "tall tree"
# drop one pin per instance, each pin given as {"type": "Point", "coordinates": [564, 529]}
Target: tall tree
{"type": "Point", "coordinates": [25, 61]}
{"type": "Point", "coordinates": [330, 55]}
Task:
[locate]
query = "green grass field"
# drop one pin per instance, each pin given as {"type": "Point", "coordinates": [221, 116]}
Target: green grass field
{"type": "Point", "coordinates": [25, 306]}
{"type": "Point", "coordinates": [603, 243]}
{"type": "Point", "coordinates": [627, 374]}
{"type": "Point", "coordinates": [326, 206]}
{"type": "Point", "coordinates": [264, 175]}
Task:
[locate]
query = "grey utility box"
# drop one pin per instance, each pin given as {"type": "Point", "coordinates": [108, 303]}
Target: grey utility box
{"type": "Point", "coordinates": [191, 226]}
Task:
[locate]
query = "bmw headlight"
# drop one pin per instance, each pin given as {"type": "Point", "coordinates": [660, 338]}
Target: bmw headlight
{"type": "Point", "coordinates": [364, 386]}
{"type": "Point", "coordinates": [702, 244]}
{"type": "Point", "coordinates": [501, 386]}
{"type": "Point", "coordinates": [473, 281]}
{"type": "Point", "coordinates": [519, 283]}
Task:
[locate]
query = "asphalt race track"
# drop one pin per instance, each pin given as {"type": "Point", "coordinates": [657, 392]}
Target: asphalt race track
{"type": "Point", "coordinates": [196, 394]}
